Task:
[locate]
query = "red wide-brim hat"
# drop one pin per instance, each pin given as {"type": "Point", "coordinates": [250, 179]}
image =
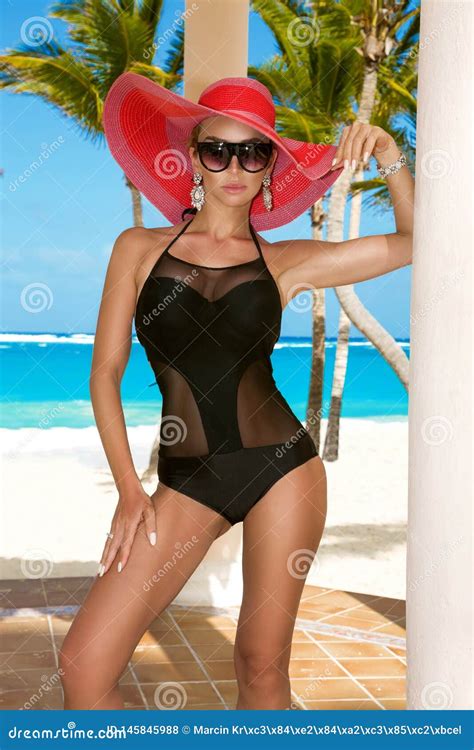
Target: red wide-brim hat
{"type": "Point", "coordinates": [147, 128]}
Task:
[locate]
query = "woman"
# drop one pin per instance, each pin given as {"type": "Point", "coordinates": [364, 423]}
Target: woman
{"type": "Point", "coordinates": [207, 297]}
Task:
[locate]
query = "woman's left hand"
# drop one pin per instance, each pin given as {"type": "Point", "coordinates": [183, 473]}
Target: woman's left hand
{"type": "Point", "coordinates": [359, 141]}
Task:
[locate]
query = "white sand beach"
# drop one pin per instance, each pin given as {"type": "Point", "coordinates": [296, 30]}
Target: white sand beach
{"type": "Point", "coordinates": [59, 497]}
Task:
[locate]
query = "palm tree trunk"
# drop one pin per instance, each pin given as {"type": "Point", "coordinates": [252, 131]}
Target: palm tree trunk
{"type": "Point", "coordinates": [151, 470]}
{"type": "Point", "coordinates": [337, 206]}
{"type": "Point", "coordinates": [136, 203]}
{"type": "Point", "coordinates": [352, 309]}
{"type": "Point", "coordinates": [316, 380]}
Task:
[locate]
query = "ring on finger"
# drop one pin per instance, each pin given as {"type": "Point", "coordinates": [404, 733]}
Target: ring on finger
{"type": "Point", "coordinates": [109, 535]}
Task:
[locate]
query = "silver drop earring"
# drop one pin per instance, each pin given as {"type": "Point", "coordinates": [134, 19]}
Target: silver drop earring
{"type": "Point", "coordinates": [197, 192]}
{"type": "Point", "coordinates": [267, 193]}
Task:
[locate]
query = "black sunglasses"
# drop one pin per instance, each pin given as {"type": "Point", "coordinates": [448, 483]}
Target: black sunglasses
{"type": "Point", "coordinates": [216, 155]}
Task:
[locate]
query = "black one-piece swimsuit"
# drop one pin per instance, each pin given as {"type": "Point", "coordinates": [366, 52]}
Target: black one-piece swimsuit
{"type": "Point", "coordinates": [227, 434]}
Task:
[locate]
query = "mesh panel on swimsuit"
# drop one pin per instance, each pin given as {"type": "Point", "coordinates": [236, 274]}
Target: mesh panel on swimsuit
{"type": "Point", "coordinates": [208, 334]}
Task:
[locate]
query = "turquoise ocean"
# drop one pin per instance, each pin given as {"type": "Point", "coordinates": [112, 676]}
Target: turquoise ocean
{"type": "Point", "coordinates": [44, 381]}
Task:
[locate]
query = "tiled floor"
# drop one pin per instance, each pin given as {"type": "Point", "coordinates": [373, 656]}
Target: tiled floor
{"type": "Point", "coordinates": [348, 651]}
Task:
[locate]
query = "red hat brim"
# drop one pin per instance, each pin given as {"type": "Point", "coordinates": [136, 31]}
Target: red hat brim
{"type": "Point", "coordinates": [147, 127]}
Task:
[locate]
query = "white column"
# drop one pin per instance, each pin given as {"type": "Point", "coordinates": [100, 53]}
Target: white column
{"type": "Point", "coordinates": [215, 46]}
{"type": "Point", "coordinates": [439, 575]}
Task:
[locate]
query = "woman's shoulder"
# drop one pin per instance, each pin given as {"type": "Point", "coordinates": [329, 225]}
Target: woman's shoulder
{"type": "Point", "coordinates": [136, 242]}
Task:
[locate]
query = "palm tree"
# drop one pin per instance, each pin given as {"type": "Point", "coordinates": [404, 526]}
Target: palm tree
{"type": "Point", "coordinates": [312, 86]}
{"type": "Point", "coordinates": [106, 39]}
{"type": "Point", "coordinates": [327, 49]}
{"type": "Point", "coordinates": [389, 79]}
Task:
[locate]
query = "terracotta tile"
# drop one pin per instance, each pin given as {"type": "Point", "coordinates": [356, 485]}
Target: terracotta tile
{"type": "Point", "coordinates": [307, 651]}
{"type": "Point", "coordinates": [324, 688]}
{"type": "Point", "coordinates": [314, 615]}
{"type": "Point", "coordinates": [161, 624]}
{"type": "Point", "coordinates": [341, 649]}
{"type": "Point", "coordinates": [380, 687]}
{"type": "Point", "coordinates": [394, 704]}
{"type": "Point", "coordinates": [398, 651]}
{"type": "Point", "coordinates": [392, 629]}
{"type": "Point", "coordinates": [29, 679]}
{"type": "Point", "coordinates": [229, 691]}
{"type": "Point", "coordinates": [350, 622]}
{"type": "Point", "coordinates": [131, 696]}
{"type": "Point", "coordinates": [206, 622]}
{"type": "Point", "coordinates": [26, 642]}
{"type": "Point", "coordinates": [26, 600]}
{"type": "Point", "coordinates": [221, 670]}
{"type": "Point", "coordinates": [161, 655]}
{"type": "Point", "coordinates": [169, 638]}
{"type": "Point", "coordinates": [342, 705]}
{"type": "Point", "coordinates": [314, 668]}
{"type": "Point", "coordinates": [311, 591]}
{"type": "Point", "coordinates": [365, 613]}
{"type": "Point", "coordinates": [179, 671]}
{"type": "Point", "coordinates": [299, 636]}
{"type": "Point", "coordinates": [393, 607]}
{"type": "Point", "coordinates": [179, 694]}
{"type": "Point", "coordinates": [374, 667]}
{"type": "Point", "coordinates": [10, 625]}
{"type": "Point", "coordinates": [342, 599]}
{"type": "Point", "coordinates": [222, 651]}
{"type": "Point", "coordinates": [17, 699]}
{"type": "Point", "coordinates": [23, 660]}
{"type": "Point", "coordinates": [323, 637]}
{"type": "Point", "coordinates": [210, 636]}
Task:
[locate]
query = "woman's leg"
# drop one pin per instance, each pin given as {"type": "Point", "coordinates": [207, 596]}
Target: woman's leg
{"type": "Point", "coordinates": [281, 535]}
{"type": "Point", "coordinates": [120, 606]}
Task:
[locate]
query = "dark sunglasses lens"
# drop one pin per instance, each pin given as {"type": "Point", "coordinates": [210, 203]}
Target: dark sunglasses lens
{"type": "Point", "coordinates": [255, 156]}
{"type": "Point", "coordinates": [214, 156]}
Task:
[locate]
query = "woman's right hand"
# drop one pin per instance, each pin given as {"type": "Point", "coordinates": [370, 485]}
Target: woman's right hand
{"type": "Point", "coordinates": [133, 506]}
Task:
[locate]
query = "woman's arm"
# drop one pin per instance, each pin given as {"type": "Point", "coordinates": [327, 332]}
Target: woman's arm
{"type": "Point", "coordinates": [111, 352]}
{"type": "Point", "coordinates": [329, 264]}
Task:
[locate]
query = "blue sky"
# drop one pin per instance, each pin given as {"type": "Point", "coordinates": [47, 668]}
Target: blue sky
{"type": "Point", "coordinates": [60, 223]}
